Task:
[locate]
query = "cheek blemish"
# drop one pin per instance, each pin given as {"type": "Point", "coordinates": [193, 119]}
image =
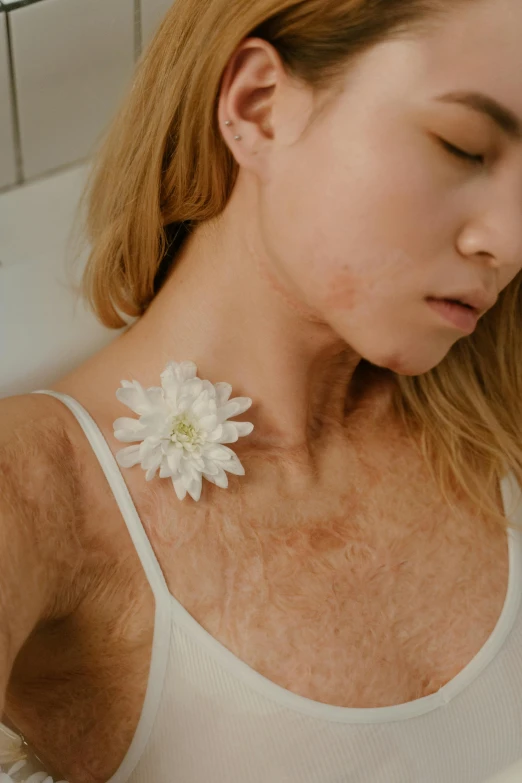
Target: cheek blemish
{"type": "Point", "coordinates": [367, 276]}
{"type": "Point", "coordinates": [342, 291]}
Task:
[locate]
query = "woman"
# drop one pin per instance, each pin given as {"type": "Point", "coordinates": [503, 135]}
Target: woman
{"type": "Point", "coordinates": [315, 206]}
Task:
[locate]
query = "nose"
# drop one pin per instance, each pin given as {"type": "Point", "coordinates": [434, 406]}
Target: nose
{"type": "Point", "coordinates": [495, 236]}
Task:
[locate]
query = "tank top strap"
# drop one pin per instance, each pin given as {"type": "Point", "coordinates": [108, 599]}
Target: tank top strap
{"type": "Point", "coordinates": [121, 494]}
{"type": "Point", "coordinates": [162, 597]}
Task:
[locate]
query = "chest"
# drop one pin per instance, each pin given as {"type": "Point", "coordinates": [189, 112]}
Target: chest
{"type": "Point", "coordinates": [363, 594]}
{"type": "Point", "coordinates": [344, 611]}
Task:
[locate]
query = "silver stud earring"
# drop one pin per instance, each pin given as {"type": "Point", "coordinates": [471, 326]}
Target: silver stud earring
{"type": "Point", "coordinates": [237, 137]}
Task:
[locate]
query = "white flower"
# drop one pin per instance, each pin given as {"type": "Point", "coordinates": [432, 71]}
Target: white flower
{"type": "Point", "coordinates": [182, 427]}
{"type": "Point", "coordinates": [36, 777]}
{"type": "Point", "coordinates": [11, 747]}
{"type": "Point", "coordinates": [14, 760]}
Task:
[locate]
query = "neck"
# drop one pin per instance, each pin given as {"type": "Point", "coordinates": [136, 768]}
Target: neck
{"type": "Point", "coordinates": [224, 307]}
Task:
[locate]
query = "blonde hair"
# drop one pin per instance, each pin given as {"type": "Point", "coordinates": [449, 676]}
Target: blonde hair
{"type": "Point", "coordinates": [164, 168]}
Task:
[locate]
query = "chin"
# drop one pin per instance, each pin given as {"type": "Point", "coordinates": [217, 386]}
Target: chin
{"type": "Point", "coordinates": [408, 362]}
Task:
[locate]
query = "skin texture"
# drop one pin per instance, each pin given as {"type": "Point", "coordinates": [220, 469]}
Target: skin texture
{"type": "Point", "coordinates": [336, 232]}
{"type": "Point", "coordinates": [334, 236]}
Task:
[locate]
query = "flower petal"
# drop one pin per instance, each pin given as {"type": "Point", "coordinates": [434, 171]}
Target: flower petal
{"type": "Point", "coordinates": [165, 471]}
{"type": "Point", "coordinates": [128, 457]}
{"type": "Point", "coordinates": [224, 454]}
{"type": "Point", "coordinates": [220, 479]}
{"type": "Point", "coordinates": [125, 436]}
{"type": "Point", "coordinates": [223, 392]}
{"type": "Point", "coordinates": [156, 420]}
{"type": "Point", "coordinates": [38, 777]}
{"type": "Point", "coordinates": [209, 423]}
{"type": "Point", "coordinates": [11, 746]}
{"type": "Point", "coordinates": [128, 430]}
{"type": "Point", "coordinates": [179, 488]}
{"type": "Point", "coordinates": [17, 767]}
{"type": "Point", "coordinates": [193, 388]}
{"type": "Point", "coordinates": [234, 466]}
{"type": "Point", "coordinates": [234, 407]}
{"type": "Point", "coordinates": [183, 404]}
{"type": "Point", "coordinates": [186, 371]}
{"type": "Point", "coordinates": [210, 468]}
{"type": "Point", "coordinates": [195, 487]}
{"type": "Point", "coordinates": [204, 406]}
{"type": "Point", "coordinates": [198, 463]}
{"type": "Point", "coordinates": [126, 423]}
{"type": "Point", "coordinates": [216, 451]}
{"type": "Point", "coordinates": [193, 453]}
{"type": "Point", "coordinates": [174, 459]}
{"type": "Point", "coordinates": [214, 437]}
{"type": "Point", "coordinates": [150, 445]}
{"type": "Point", "coordinates": [210, 388]}
{"type": "Point", "coordinates": [229, 434]}
{"type": "Point", "coordinates": [156, 396]}
{"type": "Point", "coordinates": [243, 427]}
{"type": "Point", "coordinates": [152, 459]}
{"type": "Point", "coordinates": [134, 396]}
{"type": "Point", "coordinates": [170, 384]}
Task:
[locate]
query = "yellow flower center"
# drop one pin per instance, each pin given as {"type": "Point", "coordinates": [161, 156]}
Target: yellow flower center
{"type": "Point", "coordinates": [184, 432]}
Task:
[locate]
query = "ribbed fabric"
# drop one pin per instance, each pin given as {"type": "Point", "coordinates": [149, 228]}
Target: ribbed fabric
{"type": "Point", "coordinates": [210, 718]}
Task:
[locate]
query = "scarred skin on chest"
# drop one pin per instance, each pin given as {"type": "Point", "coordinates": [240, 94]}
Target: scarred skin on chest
{"type": "Point", "coordinates": [356, 591]}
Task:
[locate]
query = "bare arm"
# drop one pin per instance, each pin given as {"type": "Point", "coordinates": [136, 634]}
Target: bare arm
{"type": "Point", "coordinates": [34, 545]}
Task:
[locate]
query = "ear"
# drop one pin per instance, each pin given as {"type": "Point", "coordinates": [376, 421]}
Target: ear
{"type": "Point", "coordinates": [246, 103]}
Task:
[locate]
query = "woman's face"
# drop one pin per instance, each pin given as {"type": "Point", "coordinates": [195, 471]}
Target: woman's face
{"type": "Point", "coordinates": [367, 214]}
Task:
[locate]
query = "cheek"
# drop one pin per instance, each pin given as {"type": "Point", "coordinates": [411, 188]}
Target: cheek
{"type": "Point", "coordinates": [350, 229]}
{"type": "Point", "coordinates": [364, 244]}
{"type": "Point", "coordinates": [342, 292]}
{"type": "Point", "coordinates": [368, 279]}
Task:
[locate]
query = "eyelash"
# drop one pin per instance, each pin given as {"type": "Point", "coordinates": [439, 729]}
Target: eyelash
{"type": "Point", "coordinates": [475, 160]}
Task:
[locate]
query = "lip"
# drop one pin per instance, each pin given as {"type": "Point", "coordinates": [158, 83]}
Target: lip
{"type": "Point", "coordinates": [479, 299]}
{"type": "Point", "coordinates": [461, 317]}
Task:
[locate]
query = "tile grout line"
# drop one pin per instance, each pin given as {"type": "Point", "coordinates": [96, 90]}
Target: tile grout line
{"type": "Point", "coordinates": [15, 111]}
{"type": "Point", "coordinates": [13, 5]}
{"type": "Point", "coordinates": [14, 103]}
{"type": "Point", "coordinates": [138, 38]}
{"type": "Point", "coordinates": [1, 10]}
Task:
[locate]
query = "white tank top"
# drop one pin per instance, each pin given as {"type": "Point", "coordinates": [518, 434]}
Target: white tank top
{"type": "Point", "coordinates": [210, 718]}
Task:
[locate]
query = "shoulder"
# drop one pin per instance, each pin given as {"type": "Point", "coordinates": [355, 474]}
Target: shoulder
{"type": "Point", "coordinates": [37, 456]}
{"type": "Point", "coordinates": [27, 421]}
{"type": "Point", "coordinates": [41, 496]}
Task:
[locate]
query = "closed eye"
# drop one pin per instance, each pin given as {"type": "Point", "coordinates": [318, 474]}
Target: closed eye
{"type": "Point", "coordinates": [477, 160]}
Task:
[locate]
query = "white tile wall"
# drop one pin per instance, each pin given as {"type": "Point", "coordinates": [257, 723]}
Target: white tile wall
{"type": "Point", "coordinates": [45, 330]}
{"type": "Point", "coordinates": [7, 157]}
{"type": "Point", "coordinates": [152, 12]}
{"type": "Point", "coordinates": [74, 61]}
{"type": "Point", "coordinates": [511, 775]}
{"type": "Point", "coordinates": [35, 220]}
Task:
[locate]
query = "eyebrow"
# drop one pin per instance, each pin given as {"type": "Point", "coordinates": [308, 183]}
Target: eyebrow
{"type": "Point", "coordinates": [503, 117]}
